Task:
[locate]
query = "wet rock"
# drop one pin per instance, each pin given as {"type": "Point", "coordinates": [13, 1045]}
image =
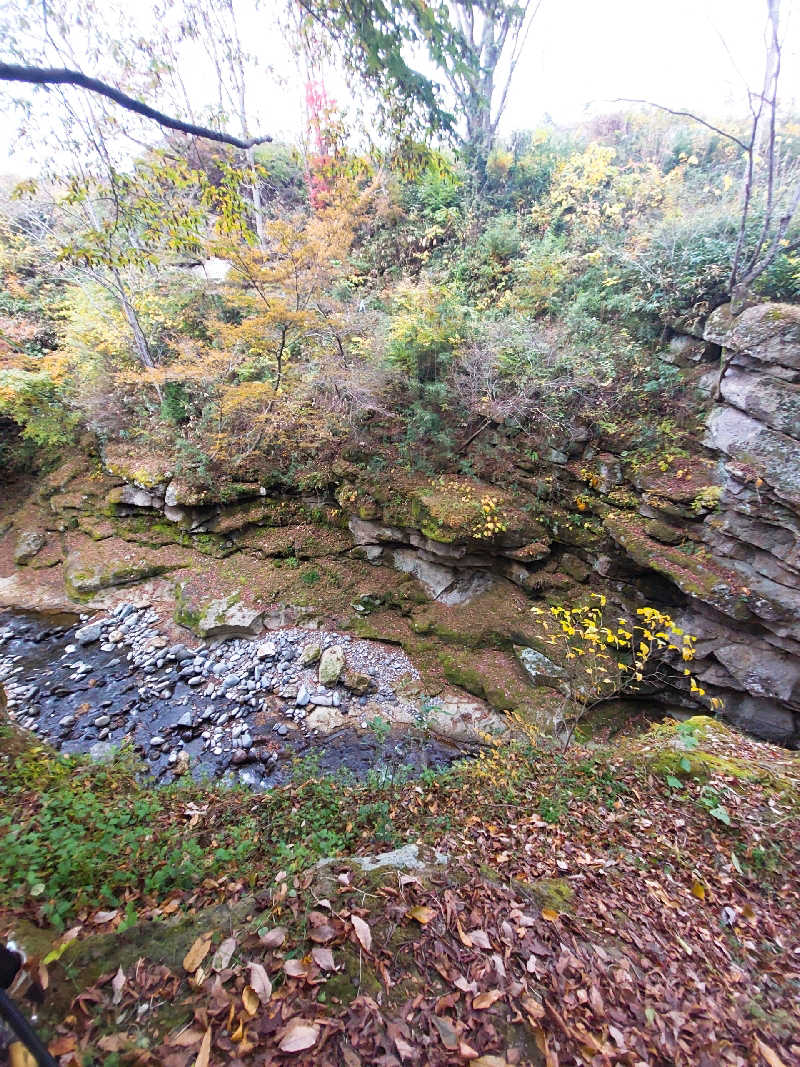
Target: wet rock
{"type": "Point", "coordinates": [87, 635]}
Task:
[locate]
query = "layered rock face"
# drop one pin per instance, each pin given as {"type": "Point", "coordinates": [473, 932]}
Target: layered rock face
{"type": "Point", "coordinates": [713, 537]}
{"type": "Point", "coordinates": [751, 646]}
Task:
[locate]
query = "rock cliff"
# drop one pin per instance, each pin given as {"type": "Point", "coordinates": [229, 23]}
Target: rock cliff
{"type": "Point", "coordinates": [448, 566]}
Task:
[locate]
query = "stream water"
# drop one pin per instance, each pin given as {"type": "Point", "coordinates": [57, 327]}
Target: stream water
{"type": "Point", "coordinates": [236, 709]}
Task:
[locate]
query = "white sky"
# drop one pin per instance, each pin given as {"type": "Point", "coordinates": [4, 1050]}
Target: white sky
{"type": "Point", "coordinates": [580, 54]}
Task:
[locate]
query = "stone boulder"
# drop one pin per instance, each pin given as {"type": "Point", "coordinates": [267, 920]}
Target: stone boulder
{"type": "Point", "coordinates": [29, 544]}
{"type": "Point", "coordinates": [358, 683]}
{"type": "Point", "coordinates": [226, 617]}
{"type": "Point", "coordinates": [310, 654]}
{"type": "Point", "coordinates": [767, 333]}
{"type": "Point", "coordinates": [448, 585]}
{"type": "Point", "coordinates": [542, 671]}
{"type": "Point", "coordinates": [769, 400]}
{"type": "Point", "coordinates": [331, 665]}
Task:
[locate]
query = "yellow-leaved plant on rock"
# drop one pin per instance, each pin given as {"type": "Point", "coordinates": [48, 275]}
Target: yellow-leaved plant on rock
{"type": "Point", "coordinates": [600, 658]}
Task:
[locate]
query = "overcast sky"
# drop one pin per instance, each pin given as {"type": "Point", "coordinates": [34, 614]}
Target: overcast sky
{"type": "Point", "coordinates": [580, 54]}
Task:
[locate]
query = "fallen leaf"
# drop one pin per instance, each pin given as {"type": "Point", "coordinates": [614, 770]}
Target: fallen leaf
{"type": "Point", "coordinates": [18, 1056]}
{"type": "Point", "coordinates": [490, 1061]}
{"type": "Point", "coordinates": [222, 957]}
{"type": "Point", "coordinates": [323, 933]}
{"type": "Point", "coordinates": [299, 1034]}
{"type": "Point", "coordinates": [250, 1000]}
{"type": "Point", "coordinates": [204, 1055]}
{"type": "Point", "coordinates": [323, 957]}
{"type": "Point", "coordinates": [422, 914]}
{"type": "Point", "coordinates": [295, 968]}
{"type": "Point", "coordinates": [772, 1059]}
{"type": "Point", "coordinates": [549, 914]}
{"type": "Point", "coordinates": [404, 1050]}
{"type": "Point", "coordinates": [466, 1051]}
{"type": "Point", "coordinates": [259, 980]}
{"type": "Point", "coordinates": [103, 917]}
{"type": "Point", "coordinates": [60, 1046]}
{"type": "Point", "coordinates": [187, 1038]}
{"type": "Point", "coordinates": [363, 932]}
{"type": "Point", "coordinates": [197, 953]}
{"type": "Point", "coordinates": [446, 1032]}
{"type": "Point", "coordinates": [118, 984]}
{"type": "Point", "coordinates": [533, 1007]}
{"type": "Point", "coordinates": [479, 938]}
{"type": "Point", "coordinates": [485, 1000]}
{"type": "Point", "coordinates": [113, 1042]}
{"type": "Point", "coordinates": [273, 938]}
{"type": "Point", "coordinates": [699, 890]}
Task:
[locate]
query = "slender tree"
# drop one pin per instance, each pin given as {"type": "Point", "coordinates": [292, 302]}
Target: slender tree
{"type": "Point", "coordinates": [770, 191]}
{"type": "Point", "coordinates": [493, 34]}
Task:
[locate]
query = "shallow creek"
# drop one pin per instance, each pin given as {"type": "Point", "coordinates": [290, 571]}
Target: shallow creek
{"type": "Point", "coordinates": [236, 709]}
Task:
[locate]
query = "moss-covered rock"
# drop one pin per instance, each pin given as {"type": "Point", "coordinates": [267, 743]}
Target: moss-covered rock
{"type": "Point", "coordinates": [90, 568]}
{"type": "Point", "coordinates": [698, 575]}
{"type": "Point", "coordinates": [222, 617]}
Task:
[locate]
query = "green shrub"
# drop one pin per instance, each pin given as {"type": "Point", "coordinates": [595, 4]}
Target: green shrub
{"type": "Point", "coordinates": [427, 326]}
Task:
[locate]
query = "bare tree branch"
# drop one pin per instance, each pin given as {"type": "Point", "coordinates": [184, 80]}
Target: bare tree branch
{"type": "Point", "coordinates": [63, 76]}
{"type": "Point", "coordinates": [685, 114]}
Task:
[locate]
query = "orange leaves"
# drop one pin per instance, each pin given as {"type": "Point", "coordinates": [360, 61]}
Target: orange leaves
{"type": "Point", "coordinates": [204, 1055]}
{"type": "Point", "coordinates": [197, 953]}
{"type": "Point", "coordinates": [422, 914]}
{"type": "Point", "coordinates": [485, 1000]}
{"type": "Point", "coordinates": [250, 1000]}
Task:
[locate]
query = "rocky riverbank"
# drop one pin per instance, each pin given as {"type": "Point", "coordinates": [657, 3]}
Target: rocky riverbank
{"type": "Point", "coordinates": [238, 710]}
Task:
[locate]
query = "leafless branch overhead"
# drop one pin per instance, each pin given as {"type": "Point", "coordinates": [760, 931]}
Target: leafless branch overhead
{"type": "Point", "coordinates": [63, 76]}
